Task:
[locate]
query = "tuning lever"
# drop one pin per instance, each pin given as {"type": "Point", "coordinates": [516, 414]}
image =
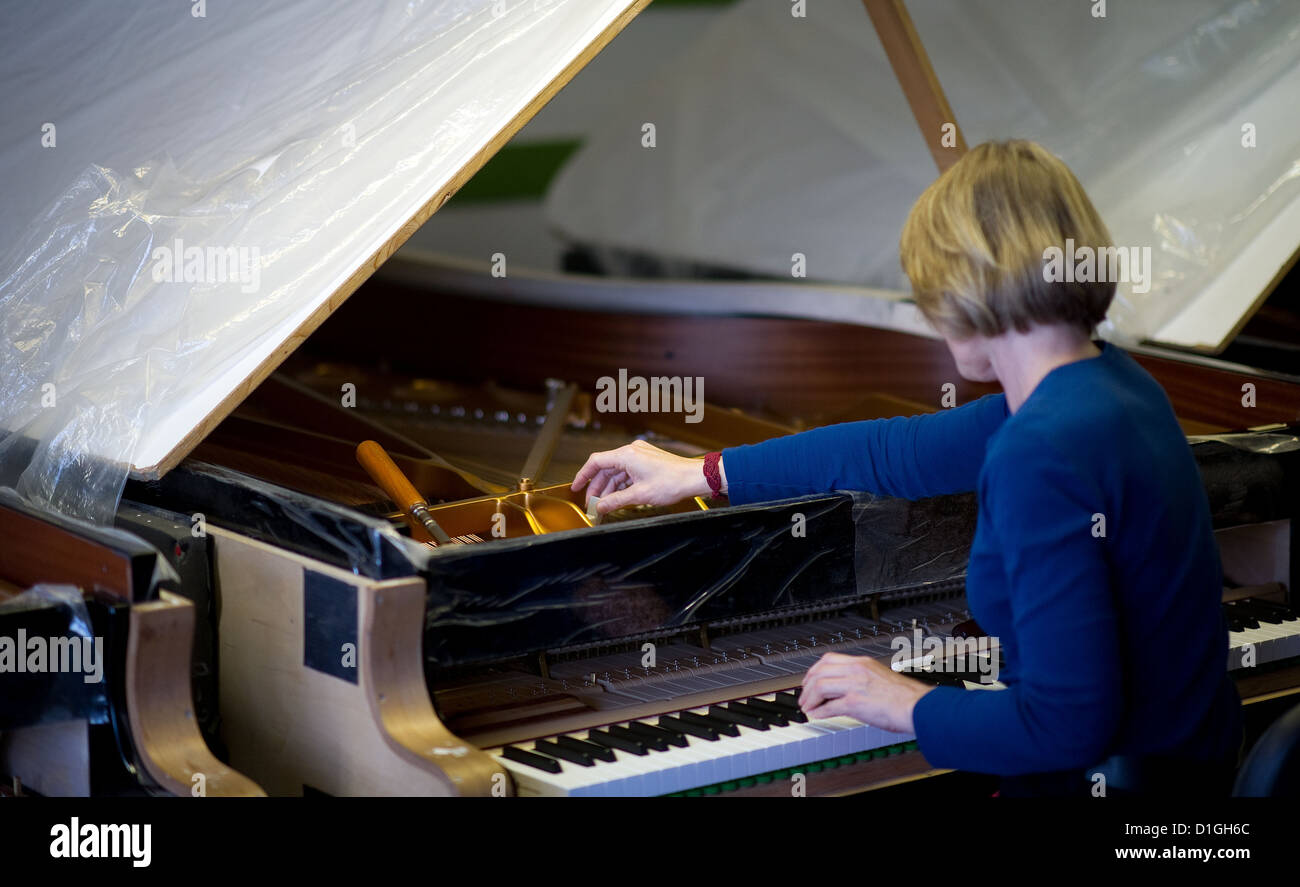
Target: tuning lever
{"type": "Point", "coordinates": [384, 471]}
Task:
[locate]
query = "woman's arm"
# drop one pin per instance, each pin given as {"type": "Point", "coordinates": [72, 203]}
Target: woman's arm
{"type": "Point", "coordinates": [911, 457]}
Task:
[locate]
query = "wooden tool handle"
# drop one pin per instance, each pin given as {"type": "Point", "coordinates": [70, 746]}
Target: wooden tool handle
{"type": "Point", "coordinates": [384, 471]}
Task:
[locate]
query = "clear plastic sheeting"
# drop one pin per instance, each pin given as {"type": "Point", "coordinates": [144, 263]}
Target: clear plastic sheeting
{"type": "Point", "coordinates": [59, 596]}
{"type": "Point", "coordinates": [911, 546]}
{"type": "Point", "coordinates": [186, 194]}
{"type": "Point", "coordinates": [53, 619]}
{"type": "Point", "coordinates": [363, 544]}
{"type": "Point", "coordinates": [1263, 442]}
{"type": "Point", "coordinates": [778, 135]}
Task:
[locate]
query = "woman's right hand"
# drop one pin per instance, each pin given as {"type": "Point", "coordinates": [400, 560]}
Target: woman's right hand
{"type": "Point", "coordinates": [640, 474]}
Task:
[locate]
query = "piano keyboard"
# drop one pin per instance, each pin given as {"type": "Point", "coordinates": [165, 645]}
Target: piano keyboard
{"type": "Point", "coordinates": [1272, 630]}
{"type": "Point", "coordinates": [727, 743]}
{"type": "Point", "coordinates": [685, 750]}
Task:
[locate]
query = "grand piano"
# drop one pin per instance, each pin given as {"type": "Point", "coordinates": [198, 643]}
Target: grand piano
{"type": "Point", "coordinates": [650, 654]}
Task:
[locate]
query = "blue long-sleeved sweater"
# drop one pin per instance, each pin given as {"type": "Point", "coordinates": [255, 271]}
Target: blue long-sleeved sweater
{"type": "Point", "coordinates": [1112, 633]}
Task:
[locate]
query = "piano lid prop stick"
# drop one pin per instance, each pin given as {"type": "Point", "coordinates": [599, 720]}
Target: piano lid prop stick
{"type": "Point", "coordinates": [544, 446]}
{"type": "Point", "coordinates": [384, 471]}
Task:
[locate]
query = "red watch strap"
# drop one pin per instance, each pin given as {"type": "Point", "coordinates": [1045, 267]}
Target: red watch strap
{"type": "Point", "coordinates": [712, 474]}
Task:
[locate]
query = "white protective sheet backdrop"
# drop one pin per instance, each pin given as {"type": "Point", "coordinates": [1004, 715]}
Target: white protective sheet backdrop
{"type": "Point", "coordinates": [299, 134]}
{"type": "Point", "coordinates": [777, 135]}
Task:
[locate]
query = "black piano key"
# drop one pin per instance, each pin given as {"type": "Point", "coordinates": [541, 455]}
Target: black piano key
{"type": "Point", "coordinates": [1240, 614]}
{"type": "Point", "coordinates": [1236, 623]}
{"type": "Point", "coordinates": [1285, 613]}
{"type": "Point", "coordinates": [685, 728]}
{"type": "Point", "coordinates": [657, 743]}
{"type": "Point", "coordinates": [651, 731]}
{"type": "Point", "coordinates": [791, 714]}
{"type": "Point", "coordinates": [1265, 611]}
{"type": "Point", "coordinates": [532, 759]}
{"type": "Point", "coordinates": [754, 722]}
{"type": "Point", "coordinates": [599, 752]}
{"type": "Point", "coordinates": [726, 728]}
{"type": "Point", "coordinates": [555, 750]}
{"type": "Point", "coordinates": [1288, 614]}
{"type": "Point", "coordinates": [786, 702]}
{"type": "Point", "coordinates": [632, 746]}
{"type": "Point", "coordinates": [774, 718]}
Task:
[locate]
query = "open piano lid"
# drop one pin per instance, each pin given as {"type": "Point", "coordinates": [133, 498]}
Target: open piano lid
{"type": "Point", "coordinates": [1179, 117]}
{"type": "Point", "coordinates": [191, 189]}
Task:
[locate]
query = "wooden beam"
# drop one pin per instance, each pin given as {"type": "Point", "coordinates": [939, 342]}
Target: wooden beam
{"type": "Point", "coordinates": [916, 76]}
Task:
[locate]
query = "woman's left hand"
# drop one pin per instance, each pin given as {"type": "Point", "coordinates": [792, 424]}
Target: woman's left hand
{"type": "Point", "coordinates": [862, 688]}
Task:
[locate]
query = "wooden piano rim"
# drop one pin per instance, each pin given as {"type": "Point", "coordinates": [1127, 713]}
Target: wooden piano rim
{"type": "Point", "coordinates": [37, 550]}
{"type": "Point", "coordinates": [775, 366]}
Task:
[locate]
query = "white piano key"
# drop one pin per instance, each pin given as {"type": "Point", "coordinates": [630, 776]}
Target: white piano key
{"type": "Point", "coordinates": [702, 762]}
{"type": "Point", "coordinates": [531, 780]}
{"type": "Point", "coordinates": [695, 765]}
{"type": "Point", "coordinates": [634, 775]}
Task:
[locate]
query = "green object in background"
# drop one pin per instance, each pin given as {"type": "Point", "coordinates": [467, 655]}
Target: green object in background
{"type": "Point", "coordinates": [524, 170]}
{"type": "Point", "coordinates": [517, 172]}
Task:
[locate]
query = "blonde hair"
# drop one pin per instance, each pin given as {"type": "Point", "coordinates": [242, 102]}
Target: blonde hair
{"type": "Point", "coordinates": [973, 245]}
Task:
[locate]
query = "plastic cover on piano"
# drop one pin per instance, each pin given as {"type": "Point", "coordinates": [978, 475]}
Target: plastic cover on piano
{"type": "Point", "coordinates": [188, 187]}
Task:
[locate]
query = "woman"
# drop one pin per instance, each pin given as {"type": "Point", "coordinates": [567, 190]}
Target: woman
{"type": "Point", "coordinates": [1093, 560]}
